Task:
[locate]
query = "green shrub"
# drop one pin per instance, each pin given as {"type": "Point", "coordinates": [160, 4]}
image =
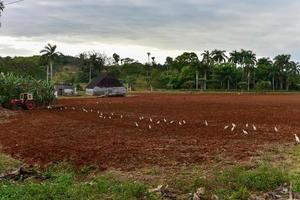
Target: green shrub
{"type": "Point", "coordinates": [264, 85]}
{"type": "Point", "coordinates": [11, 86]}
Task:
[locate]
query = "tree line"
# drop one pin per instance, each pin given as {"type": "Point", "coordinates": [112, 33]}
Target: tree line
{"type": "Point", "coordinates": [213, 70]}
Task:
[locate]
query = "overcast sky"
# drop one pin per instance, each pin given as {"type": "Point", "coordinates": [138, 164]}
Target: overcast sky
{"type": "Point", "coordinates": [131, 28]}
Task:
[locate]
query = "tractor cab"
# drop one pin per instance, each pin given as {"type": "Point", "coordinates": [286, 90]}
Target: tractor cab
{"type": "Point", "coordinates": [25, 101]}
{"type": "Point", "coordinates": [26, 96]}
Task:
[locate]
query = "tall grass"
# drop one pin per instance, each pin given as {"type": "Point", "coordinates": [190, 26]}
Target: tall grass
{"type": "Point", "coordinates": [12, 85]}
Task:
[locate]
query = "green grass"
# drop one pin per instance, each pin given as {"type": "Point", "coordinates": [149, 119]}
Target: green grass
{"type": "Point", "coordinates": [65, 186]}
{"type": "Point", "coordinates": [7, 163]}
{"type": "Point", "coordinates": [63, 183]}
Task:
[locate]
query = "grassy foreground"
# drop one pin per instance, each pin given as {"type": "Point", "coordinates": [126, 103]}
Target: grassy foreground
{"type": "Point", "coordinates": [231, 182]}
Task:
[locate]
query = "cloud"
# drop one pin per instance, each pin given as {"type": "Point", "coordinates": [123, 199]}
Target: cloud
{"type": "Point", "coordinates": [267, 27]}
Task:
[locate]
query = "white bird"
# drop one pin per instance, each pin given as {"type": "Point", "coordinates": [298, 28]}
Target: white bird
{"type": "Point", "coordinates": [254, 127]}
{"type": "Point", "coordinates": [112, 114]}
{"type": "Point", "coordinates": [226, 127]}
{"type": "Point", "coordinates": [206, 123]}
{"type": "Point", "coordinates": [136, 124]}
{"type": "Point", "coordinates": [91, 110]}
{"type": "Point", "coordinates": [180, 123]}
{"type": "Point", "coordinates": [276, 129]}
{"type": "Point", "coordinates": [121, 116]}
{"type": "Point", "coordinates": [66, 108]}
{"type": "Point", "coordinates": [245, 132]}
{"type": "Point", "coordinates": [150, 127]}
{"type": "Point", "coordinates": [158, 122]}
{"type": "Point", "coordinates": [165, 120]}
{"type": "Point", "coordinates": [233, 127]}
{"type": "Point", "coordinates": [247, 125]}
{"type": "Point", "coordinates": [73, 108]}
{"type": "Point", "coordinates": [297, 138]}
{"type": "Point", "coordinates": [109, 117]}
{"type": "Point", "coordinates": [151, 120]}
{"type": "Point", "coordinates": [98, 112]}
{"type": "Point", "coordinates": [183, 121]}
{"type": "Point", "coordinates": [171, 122]}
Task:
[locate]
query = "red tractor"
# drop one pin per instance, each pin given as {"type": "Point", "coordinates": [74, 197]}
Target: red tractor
{"type": "Point", "coordinates": [26, 101]}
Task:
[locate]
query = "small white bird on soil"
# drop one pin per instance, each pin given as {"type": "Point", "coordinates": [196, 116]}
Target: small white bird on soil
{"type": "Point", "coordinates": [180, 123]}
{"type": "Point", "coordinates": [165, 120]}
{"type": "Point", "coordinates": [150, 127]}
{"type": "Point", "coordinates": [158, 122]}
{"type": "Point", "coordinates": [183, 121]}
{"type": "Point", "coordinates": [121, 116]}
{"type": "Point", "coordinates": [247, 125]}
{"type": "Point", "coordinates": [136, 124]}
{"type": "Point", "coordinates": [205, 123]}
{"type": "Point", "coordinates": [226, 127]}
{"type": "Point", "coordinates": [276, 129]}
{"type": "Point", "coordinates": [151, 120]}
{"type": "Point", "coordinates": [233, 127]}
{"type": "Point", "coordinates": [171, 122]}
{"type": "Point", "coordinates": [245, 132]}
{"type": "Point", "coordinates": [297, 139]}
{"type": "Point", "coordinates": [254, 127]}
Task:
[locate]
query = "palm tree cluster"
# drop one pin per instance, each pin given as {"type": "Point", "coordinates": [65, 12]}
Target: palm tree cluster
{"type": "Point", "coordinates": [242, 66]}
{"type": "Point", "coordinates": [50, 54]}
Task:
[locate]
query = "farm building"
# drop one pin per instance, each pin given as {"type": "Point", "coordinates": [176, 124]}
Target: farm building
{"type": "Point", "coordinates": [65, 89]}
{"type": "Point", "coordinates": [106, 85]}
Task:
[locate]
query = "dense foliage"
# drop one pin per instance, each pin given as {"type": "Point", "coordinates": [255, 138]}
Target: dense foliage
{"type": "Point", "coordinates": [12, 85]}
{"type": "Point", "coordinates": [216, 70]}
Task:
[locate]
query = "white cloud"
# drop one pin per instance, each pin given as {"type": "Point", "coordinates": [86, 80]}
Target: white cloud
{"type": "Point", "coordinates": [134, 27]}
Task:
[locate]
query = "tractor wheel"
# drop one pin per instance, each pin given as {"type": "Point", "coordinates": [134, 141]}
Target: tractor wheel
{"type": "Point", "coordinates": [29, 105]}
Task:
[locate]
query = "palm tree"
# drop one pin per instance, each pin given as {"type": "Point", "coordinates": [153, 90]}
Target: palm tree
{"type": "Point", "coordinates": [95, 61]}
{"type": "Point", "coordinates": [266, 63]}
{"type": "Point", "coordinates": [235, 58]}
{"type": "Point", "coordinates": [282, 62]}
{"type": "Point", "coordinates": [116, 58]}
{"type": "Point", "coordinates": [248, 62]}
{"type": "Point", "coordinates": [206, 65]}
{"type": "Point", "coordinates": [293, 69]}
{"type": "Point", "coordinates": [50, 53]}
{"type": "Point", "coordinates": [149, 54]}
{"type": "Point", "coordinates": [219, 56]}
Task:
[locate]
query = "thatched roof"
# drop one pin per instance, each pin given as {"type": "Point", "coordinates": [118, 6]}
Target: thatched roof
{"type": "Point", "coordinates": [104, 81]}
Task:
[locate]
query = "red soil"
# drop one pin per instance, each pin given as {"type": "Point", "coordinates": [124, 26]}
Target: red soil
{"type": "Point", "coordinates": [45, 136]}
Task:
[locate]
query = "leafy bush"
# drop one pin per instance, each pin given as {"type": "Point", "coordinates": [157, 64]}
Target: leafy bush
{"type": "Point", "coordinates": [12, 85]}
{"type": "Point", "coordinates": [264, 85]}
{"type": "Point", "coordinates": [243, 85]}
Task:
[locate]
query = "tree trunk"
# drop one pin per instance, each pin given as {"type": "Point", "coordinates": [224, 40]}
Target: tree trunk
{"type": "Point", "coordinates": [51, 70]}
{"type": "Point", "coordinates": [228, 85]}
{"type": "Point", "coordinates": [90, 74]}
{"type": "Point", "coordinates": [281, 83]}
{"type": "Point", "coordinates": [47, 73]}
{"type": "Point", "coordinates": [205, 78]}
{"type": "Point", "coordinates": [273, 83]}
{"type": "Point", "coordinates": [287, 84]}
{"type": "Point", "coordinates": [248, 81]}
{"type": "Point", "coordinates": [197, 80]}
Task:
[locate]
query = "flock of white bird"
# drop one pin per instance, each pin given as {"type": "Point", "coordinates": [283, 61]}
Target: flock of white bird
{"type": "Point", "coordinates": [151, 123]}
